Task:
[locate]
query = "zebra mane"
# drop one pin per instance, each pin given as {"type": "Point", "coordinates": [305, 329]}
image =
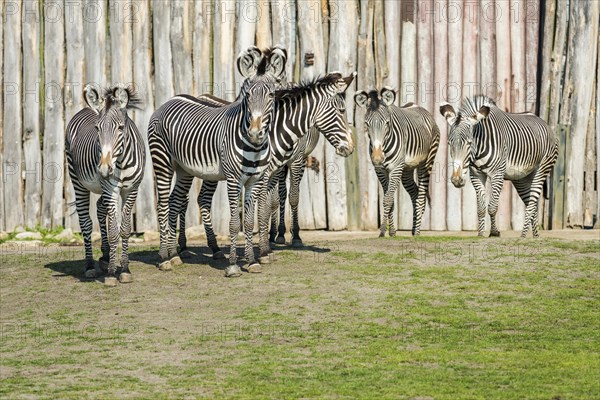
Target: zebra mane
{"type": "Point", "coordinates": [134, 100]}
{"type": "Point", "coordinates": [471, 105]}
{"type": "Point", "coordinates": [296, 90]}
{"type": "Point", "coordinates": [375, 101]}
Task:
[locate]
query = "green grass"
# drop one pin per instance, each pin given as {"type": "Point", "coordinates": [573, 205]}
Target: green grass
{"type": "Point", "coordinates": [458, 318]}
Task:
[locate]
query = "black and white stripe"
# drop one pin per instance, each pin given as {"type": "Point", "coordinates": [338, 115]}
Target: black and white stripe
{"type": "Point", "coordinates": [498, 145]}
{"type": "Point", "coordinates": [106, 155]}
{"type": "Point", "coordinates": [401, 140]}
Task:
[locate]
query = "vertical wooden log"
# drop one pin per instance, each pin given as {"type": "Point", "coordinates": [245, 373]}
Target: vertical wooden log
{"type": "Point", "coordinates": [454, 210]}
{"type": "Point", "coordinates": [163, 65]}
{"type": "Point", "coordinates": [341, 57]}
{"type": "Point", "coordinates": [589, 190]}
{"type": "Point", "coordinates": [312, 213]}
{"type": "Point", "coordinates": [2, 93]}
{"type": "Point", "coordinates": [504, 77]}
{"type": "Point", "coordinates": [470, 40]}
{"type": "Point", "coordinates": [438, 173]}
{"type": "Point", "coordinates": [146, 218]}
{"type": "Point", "coordinates": [94, 38]}
{"type": "Point", "coordinates": [120, 28]}
{"type": "Point", "coordinates": [263, 27]}
{"type": "Point", "coordinates": [597, 224]}
{"type": "Point", "coordinates": [284, 32]}
{"type": "Point", "coordinates": [223, 86]}
{"type": "Point", "coordinates": [250, 14]}
{"type": "Point", "coordinates": [54, 118]}
{"type": "Point", "coordinates": [581, 56]}
{"type": "Point", "coordinates": [181, 47]}
{"type": "Point", "coordinates": [368, 184]}
{"type": "Point", "coordinates": [32, 171]}
{"type": "Point", "coordinates": [487, 24]}
{"type": "Point", "coordinates": [12, 150]}
{"type": "Point", "coordinates": [73, 96]}
{"type": "Point", "coordinates": [519, 85]}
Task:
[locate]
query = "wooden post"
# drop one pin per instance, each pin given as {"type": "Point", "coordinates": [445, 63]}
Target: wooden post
{"type": "Point", "coordinates": [2, 93]}
{"type": "Point", "coordinates": [504, 77]}
{"type": "Point", "coordinates": [312, 213]}
{"type": "Point", "coordinates": [163, 64]}
{"type": "Point", "coordinates": [146, 218]}
{"type": "Point", "coordinates": [342, 57]}
{"type": "Point", "coordinates": [438, 173]}
{"type": "Point", "coordinates": [224, 87]}
{"type": "Point", "coordinates": [121, 41]}
{"type": "Point", "coordinates": [470, 44]}
{"type": "Point", "coordinates": [581, 56]}
{"type": "Point", "coordinates": [518, 88]}
{"type": "Point", "coordinates": [250, 14]}
{"type": "Point", "coordinates": [73, 97]}
{"type": "Point", "coordinates": [589, 191]}
{"type": "Point", "coordinates": [454, 209]}
{"type": "Point", "coordinates": [12, 150]}
{"type": "Point", "coordinates": [32, 84]}
{"type": "Point", "coordinates": [263, 27]}
{"type": "Point", "coordinates": [284, 32]}
{"type": "Point", "coordinates": [597, 225]}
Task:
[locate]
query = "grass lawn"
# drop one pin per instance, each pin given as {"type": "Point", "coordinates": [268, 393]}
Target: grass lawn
{"type": "Point", "coordinates": [401, 318]}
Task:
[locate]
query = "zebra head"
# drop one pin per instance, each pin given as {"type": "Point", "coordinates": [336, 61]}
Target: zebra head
{"type": "Point", "coordinates": [112, 123]}
{"type": "Point", "coordinates": [264, 72]}
{"type": "Point", "coordinates": [460, 138]}
{"type": "Point", "coordinates": [331, 119]}
{"type": "Point", "coordinates": [377, 118]}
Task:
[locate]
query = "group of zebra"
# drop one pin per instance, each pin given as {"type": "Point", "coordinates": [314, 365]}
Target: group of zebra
{"type": "Point", "coordinates": [271, 128]}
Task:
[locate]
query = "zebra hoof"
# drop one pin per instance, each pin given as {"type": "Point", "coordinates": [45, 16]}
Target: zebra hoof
{"type": "Point", "coordinates": [253, 268]}
{"type": "Point", "coordinates": [218, 255]}
{"type": "Point", "coordinates": [103, 264]}
{"type": "Point", "coordinates": [125, 277]}
{"type": "Point", "coordinates": [176, 260]}
{"type": "Point", "coordinates": [495, 234]}
{"type": "Point", "coordinates": [280, 240]}
{"type": "Point", "coordinates": [187, 254]}
{"type": "Point", "coordinates": [297, 243]}
{"type": "Point", "coordinates": [110, 281]}
{"type": "Point", "coordinates": [91, 274]}
{"type": "Point", "coordinates": [233, 271]}
{"type": "Point", "coordinates": [165, 266]}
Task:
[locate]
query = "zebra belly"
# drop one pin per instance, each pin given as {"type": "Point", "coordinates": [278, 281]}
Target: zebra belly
{"type": "Point", "coordinates": [516, 172]}
{"type": "Point", "coordinates": [413, 161]}
{"type": "Point", "coordinates": [210, 172]}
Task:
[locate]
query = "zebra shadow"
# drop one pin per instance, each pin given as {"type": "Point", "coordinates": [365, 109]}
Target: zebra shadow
{"type": "Point", "coordinates": [70, 268]}
{"type": "Point", "coordinates": [201, 255]}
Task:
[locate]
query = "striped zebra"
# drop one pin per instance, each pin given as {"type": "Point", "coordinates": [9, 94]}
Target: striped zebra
{"type": "Point", "coordinates": [230, 143]}
{"type": "Point", "coordinates": [319, 104]}
{"type": "Point", "coordinates": [494, 144]}
{"type": "Point", "coordinates": [401, 140]}
{"type": "Point", "coordinates": [106, 155]}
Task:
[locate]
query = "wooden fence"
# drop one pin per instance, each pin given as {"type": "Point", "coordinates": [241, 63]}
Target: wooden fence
{"type": "Point", "coordinates": [539, 55]}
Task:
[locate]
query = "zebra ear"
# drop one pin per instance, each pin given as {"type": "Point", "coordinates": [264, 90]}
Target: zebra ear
{"type": "Point", "coordinates": [92, 97]}
{"type": "Point", "coordinates": [448, 112]}
{"type": "Point", "coordinates": [120, 96]}
{"type": "Point", "coordinates": [343, 83]}
{"type": "Point", "coordinates": [277, 63]}
{"type": "Point", "coordinates": [361, 98]}
{"type": "Point", "coordinates": [388, 96]}
{"type": "Point", "coordinates": [248, 61]}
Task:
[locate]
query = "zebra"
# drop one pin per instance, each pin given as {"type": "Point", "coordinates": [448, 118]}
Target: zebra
{"type": "Point", "coordinates": [491, 143]}
{"type": "Point", "coordinates": [319, 104]}
{"type": "Point", "coordinates": [401, 140]}
{"type": "Point", "coordinates": [228, 143]}
{"type": "Point", "coordinates": [106, 155]}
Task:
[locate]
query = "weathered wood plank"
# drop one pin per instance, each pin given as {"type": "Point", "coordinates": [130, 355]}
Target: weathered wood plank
{"type": "Point", "coordinates": [73, 93]}
{"type": "Point", "coordinates": [32, 156]}
{"type": "Point", "coordinates": [12, 150]}
{"type": "Point", "coordinates": [597, 224]}
{"type": "Point", "coordinates": [2, 93]}
{"type": "Point", "coordinates": [120, 27]}
{"type": "Point", "coordinates": [263, 26]}
{"type": "Point", "coordinates": [146, 218]}
{"type": "Point", "coordinates": [454, 209]}
{"type": "Point", "coordinates": [590, 195]}
{"type": "Point", "coordinates": [54, 123]}
{"type": "Point", "coordinates": [581, 56]}
{"type": "Point", "coordinates": [503, 100]}
{"type": "Point", "coordinates": [312, 187]}
{"type": "Point", "coordinates": [438, 173]}
{"type": "Point", "coordinates": [250, 14]}
{"type": "Point", "coordinates": [163, 57]}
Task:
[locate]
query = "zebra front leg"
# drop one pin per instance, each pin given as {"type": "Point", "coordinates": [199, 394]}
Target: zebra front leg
{"type": "Point", "coordinates": [282, 190]}
{"type": "Point", "coordinates": [273, 200]}
{"type": "Point", "coordinates": [128, 200]}
{"type": "Point", "coordinates": [478, 180]}
{"type": "Point", "coordinates": [82, 204]}
{"type": "Point", "coordinates": [388, 200]}
{"type": "Point", "coordinates": [532, 191]}
{"type": "Point", "coordinates": [411, 187]}
{"type": "Point", "coordinates": [101, 212]}
{"type": "Point", "coordinates": [207, 191]}
{"type": "Point", "coordinates": [383, 177]}
{"type": "Point", "coordinates": [163, 176]}
{"type": "Point", "coordinates": [265, 210]}
{"type": "Point", "coordinates": [233, 194]}
{"type": "Point", "coordinates": [253, 266]}
{"type": "Point", "coordinates": [111, 203]}
{"type": "Point", "coordinates": [296, 173]}
{"type": "Point", "coordinates": [496, 185]}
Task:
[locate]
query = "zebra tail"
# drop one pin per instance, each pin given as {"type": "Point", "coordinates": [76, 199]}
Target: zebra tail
{"type": "Point", "coordinates": [545, 189]}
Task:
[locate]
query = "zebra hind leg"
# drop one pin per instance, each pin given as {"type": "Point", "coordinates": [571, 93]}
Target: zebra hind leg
{"type": "Point", "coordinates": [282, 187]}
{"type": "Point", "coordinates": [185, 186]}
{"type": "Point", "coordinates": [207, 191]}
{"type": "Point", "coordinates": [411, 187]}
{"type": "Point", "coordinates": [296, 173]}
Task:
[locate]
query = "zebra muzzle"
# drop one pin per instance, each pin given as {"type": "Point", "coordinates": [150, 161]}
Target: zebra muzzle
{"type": "Point", "coordinates": [457, 179]}
{"type": "Point", "coordinates": [105, 168]}
{"type": "Point", "coordinates": [377, 156]}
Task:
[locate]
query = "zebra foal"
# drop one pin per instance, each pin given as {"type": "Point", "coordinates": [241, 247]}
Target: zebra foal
{"type": "Point", "coordinates": [106, 155]}
{"type": "Point", "coordinates": [401, 140]}
{"type": "Point", "coordinates": [491, 143]}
